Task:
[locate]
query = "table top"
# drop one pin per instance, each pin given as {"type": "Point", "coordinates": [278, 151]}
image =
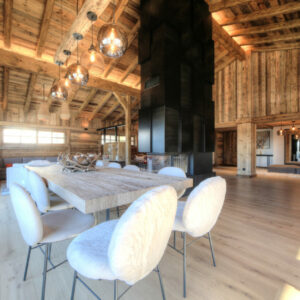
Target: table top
{"type": "Point", "coordinates": [104, 188]}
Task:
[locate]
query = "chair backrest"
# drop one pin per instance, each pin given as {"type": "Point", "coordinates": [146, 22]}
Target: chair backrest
{"type": "Point", "coordinates": [39, 191]}
{"type": "Point", "coordinates": [27, 214]}
{"type": "Point", "coordinates": [142, 233]}
{"type": "Point", "coordinates": [99, 163]}
{"type": "Point", "coordinates": [174, 171]}
{"type": "Point", "coordinates": [204, 205]}
{"type": "Point", "coordinates": [114, 165]}
{"type": "Point", "coordinates": [132, 168]}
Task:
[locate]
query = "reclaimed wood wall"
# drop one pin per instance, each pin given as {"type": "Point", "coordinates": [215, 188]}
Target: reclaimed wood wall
{"type": "Point", "coordinates": [76, 138]}
{"type": "Point", "coordinates": [265, 84]}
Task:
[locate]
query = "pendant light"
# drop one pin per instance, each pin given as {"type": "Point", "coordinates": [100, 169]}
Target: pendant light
{"type": "Point", "coordinates": [112, 40]}
{"type": "Point", "coordinates": [77, 73]}
{"type": "Point", "coordinates": [92, 56]}
{"type": "Point", "coordinates": [43, 112]}
{"type": "Point", "coordinates": [59, 90]}
{"type": "Point", "coordinates": [65, 114]}
{"type": "Point", "coordinates": [293, 126]}
{"type": "Point", "coordinates": [280, 131]}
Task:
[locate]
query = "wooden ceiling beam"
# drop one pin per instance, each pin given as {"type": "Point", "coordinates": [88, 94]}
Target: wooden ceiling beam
{"type": "Point", "coordinates": [287, 8]}
{"type": "Point", "coordinates": [265, 28]}
{"type": "Point", "coordinates": [72, 91]}
{"type": "Point", "coordinates": [111, 110]}
{"type": "Point", "coordinates": [102, 102]}
{"type": "Point", "coordinates": [278, 46]}
{"type": "Point", "coordinates": [88, 99]}
{"type": "Point", "coordinates": [220, 35]}
{"type": "Point", "coordinates": [226, 62]}
{"type": "Point", "coordinates": [130, 69]}
{"type": "Point", "coordinates": [114, 62]}
{"type": "Point", "coordinates": [5, 88]}
{"type": "Point", "coordinates": [44, 27]}
{"type": "Point", "coordinates": [30, 89]}
{"type": "Point", "coordinates": [271, 39]}
{"type": "Point", "coordinates": [7, 22]}
{"type": "Point", "coordinates": [220, 56]}
{"type": "Point", "coordinates": [16, 60]}
{"type": "Point", "coordinates": [122, 114]}
{"type": "Point", "coordinates": [80, 25]}
{"type": "Point", "coordinates": [120, 9]}
{"type": "Point", "coordinates": [223, 4]}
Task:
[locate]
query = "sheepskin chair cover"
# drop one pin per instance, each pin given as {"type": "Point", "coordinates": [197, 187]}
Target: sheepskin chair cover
{"type": "Point", "coordinates": [114, 165]}
{"type": "Point", "coordinates": [204, 205]}
{"type": "Point", "coordinates": [39, 191]}
{"type": "Point", "coordinates": [27, 214]}
{"type": "Point", "coordinates": [174, 171]}
{"type": "Point", "coordinates": [141, 236]}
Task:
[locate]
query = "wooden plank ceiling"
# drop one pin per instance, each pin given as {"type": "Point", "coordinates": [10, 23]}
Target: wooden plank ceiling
{"type": "Point", "coordinates": [30, 38]}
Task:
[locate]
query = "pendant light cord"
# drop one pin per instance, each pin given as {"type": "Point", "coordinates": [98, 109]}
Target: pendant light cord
{"type": "Point", "coordinates": [77, 39]}
{"type": "Point", "coordinates": [44, 92]}
{"type": "Point", "coordinates": [115, 5]}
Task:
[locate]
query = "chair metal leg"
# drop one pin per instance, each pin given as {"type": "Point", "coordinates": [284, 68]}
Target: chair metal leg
{"type": "Point", "coordinates": [27, 263]}
{"type": "Point", "coordinates": [108, 214]}
{"type": "Point", "coordinates": [73, 285]}
{"type": "Point", "coordinates": [212, 249]}
{"type": "Point", "coordinates": [174, 239]}
{"type": "Point", "coordinates": [161, 284]}
{"type": "Point", "coordinates": [49, 251]}
{"type": "Point", "coordinates": [45, 271]}
{"type": "Point", "coordinates": [184, 265]}
{"type": "Point", "coordinates": [115, 289]}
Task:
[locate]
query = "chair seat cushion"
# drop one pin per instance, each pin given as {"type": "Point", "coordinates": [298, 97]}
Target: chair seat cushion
{"type": "Point", "coordinates": [57, 203]}
{"type": "Point", "coordinates": [88, 253]}
{"type": "Point", "coordinates": [64, 224]}
{"type": "Point", "coordinates": [178, 224]}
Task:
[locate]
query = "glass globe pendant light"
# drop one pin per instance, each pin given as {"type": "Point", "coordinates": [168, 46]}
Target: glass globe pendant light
{"type": "Point", "coordinates": [92, 56]}
{"type": "Point", "coordinates": [77, 73]}
{"type": "Point", "coordinates": [59, 90]}
{"type": "Point", "coordinates": [112, 40]}
{"type": "Point", "coordinates": [43, 112]}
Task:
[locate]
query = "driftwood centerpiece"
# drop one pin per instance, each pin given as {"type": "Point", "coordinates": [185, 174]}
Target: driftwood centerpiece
{"type": "Point", "coordinates": [78, 162]}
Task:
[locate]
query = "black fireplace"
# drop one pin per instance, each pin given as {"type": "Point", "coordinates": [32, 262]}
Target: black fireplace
{"type": "Point", "coordinates": [176, 53]}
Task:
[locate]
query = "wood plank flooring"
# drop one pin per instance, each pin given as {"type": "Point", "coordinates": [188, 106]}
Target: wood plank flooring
{"type": "Point", "coordinates": [256, 240]}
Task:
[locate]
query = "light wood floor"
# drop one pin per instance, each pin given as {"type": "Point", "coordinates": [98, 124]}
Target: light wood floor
{"type": "Point", "coordinates": [257, 246]}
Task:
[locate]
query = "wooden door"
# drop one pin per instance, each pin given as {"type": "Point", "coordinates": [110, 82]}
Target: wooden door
{"type": "Point", "coordinates": [230, 148]}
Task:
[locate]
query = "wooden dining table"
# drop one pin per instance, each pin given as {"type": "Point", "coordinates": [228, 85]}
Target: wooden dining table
{"type": "Point", "coordinates": [104, 188]}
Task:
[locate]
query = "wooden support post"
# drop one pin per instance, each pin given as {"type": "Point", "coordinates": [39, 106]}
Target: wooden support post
{"type": "Point", "coordinates": [246, 149]}
{"type": "Point", "coordinates": [128, 130]}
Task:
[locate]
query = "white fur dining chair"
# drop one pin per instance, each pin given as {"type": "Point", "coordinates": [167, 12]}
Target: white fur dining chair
{"type": "Point", "coordinates": [99, 163]}
{"type": "Point", "coordinates": [127, 249]}
{"type": "Point", "coordinates": [114, 165]}
{"type": "Point", "coordinates": [132, 168]}
{"type": "Point", "coordinates": [42, 230]}
{"type": "Point", "coordinates": [174, 171]}
{"type": "Point", "coordinates": [198, 215]}
{"type": "Point", "coordinates": [40, 194]}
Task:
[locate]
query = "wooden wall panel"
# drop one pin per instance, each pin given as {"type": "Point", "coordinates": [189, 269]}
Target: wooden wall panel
{"type": "Point", "coordinates": [265, 84]}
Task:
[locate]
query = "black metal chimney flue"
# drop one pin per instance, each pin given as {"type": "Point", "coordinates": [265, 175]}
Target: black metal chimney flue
{"type": "Point", "coordinates": [176, 53]}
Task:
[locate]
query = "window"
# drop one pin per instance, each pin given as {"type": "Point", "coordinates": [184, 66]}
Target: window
{"type": "Point", "coordinates": [50, 137]}
{"type": "Point", "coordinates": [32, 136]}
{"type": "Point", "coordinates": [19, 136]}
